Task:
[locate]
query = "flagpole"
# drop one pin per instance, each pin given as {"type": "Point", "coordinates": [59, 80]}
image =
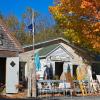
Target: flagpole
{"type": "Point", "coordinates": [31, 67]}
{"type": "Point", "coordinates": [33, 84]}
{"type": "Point", "coordinates": [33, 28]}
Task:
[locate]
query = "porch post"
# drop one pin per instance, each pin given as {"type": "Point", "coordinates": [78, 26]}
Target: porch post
{"type": "Point", "coordinates": [29, 81]}
{"type": "Point", "coordinates": [34, 87]}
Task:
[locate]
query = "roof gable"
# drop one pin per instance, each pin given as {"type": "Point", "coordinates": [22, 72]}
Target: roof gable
{"type": "Point", "coordinates": [9, 42]}
{"type": "Point", "coordinates": [50, 42]}
{"type": "Point", "coordinates": [46, 51]}
{"type": "Point", "coordinates": [80, 51]}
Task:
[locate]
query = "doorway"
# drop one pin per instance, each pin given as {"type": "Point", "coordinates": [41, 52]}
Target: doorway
{"type": "Point", "coordinates": [2, 70]}
{"type": "Point", "coordinates": [74, 71]}
{"type": "Point", "coordinates": [58, 69]}
{"type": "Point", "coordinates": [22, 78]}
{"type": "Point", "coordinates": [95, 70]}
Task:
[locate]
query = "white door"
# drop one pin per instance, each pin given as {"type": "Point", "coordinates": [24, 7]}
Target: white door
{"type": "Point", "coordinates": [12, 74]}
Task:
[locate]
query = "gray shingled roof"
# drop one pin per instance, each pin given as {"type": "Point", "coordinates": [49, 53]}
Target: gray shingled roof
{"type": "Point", "coordinates": [9, 42]}
{"type": "Point", "coordinates": [44, 51]}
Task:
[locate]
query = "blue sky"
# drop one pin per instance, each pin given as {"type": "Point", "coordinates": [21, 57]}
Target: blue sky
{"type": "Point", "coordinates": [17, 7]}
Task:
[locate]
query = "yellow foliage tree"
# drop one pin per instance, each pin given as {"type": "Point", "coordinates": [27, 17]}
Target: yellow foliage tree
{"type": "Point", "coordinates": [80, 21]}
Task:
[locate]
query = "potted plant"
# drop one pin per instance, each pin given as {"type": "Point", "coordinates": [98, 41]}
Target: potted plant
{"type": "Point", "coordinates": [2, 86]}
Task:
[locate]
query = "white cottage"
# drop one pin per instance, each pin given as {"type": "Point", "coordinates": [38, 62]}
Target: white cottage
{"type": "Point", "coordinates": [59, 54]}
{"type": "Point", "coordinates": [9, 59]}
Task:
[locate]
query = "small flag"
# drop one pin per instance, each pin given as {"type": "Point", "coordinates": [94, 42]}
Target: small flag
{"type": "Point", "coordinates": [37, 62]}
{"type": "Point", "coordinates": [30, 27]}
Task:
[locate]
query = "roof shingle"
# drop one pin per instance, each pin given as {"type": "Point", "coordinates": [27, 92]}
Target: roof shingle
{"type": "Point", "coordinates": [44, 51]}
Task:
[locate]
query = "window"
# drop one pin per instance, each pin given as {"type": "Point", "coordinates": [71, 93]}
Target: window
{"type": "Point", "coordinates": [1, 39]}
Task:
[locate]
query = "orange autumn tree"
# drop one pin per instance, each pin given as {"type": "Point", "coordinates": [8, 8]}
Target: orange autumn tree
{"type": "Point", "coordinates": [79, 21]}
